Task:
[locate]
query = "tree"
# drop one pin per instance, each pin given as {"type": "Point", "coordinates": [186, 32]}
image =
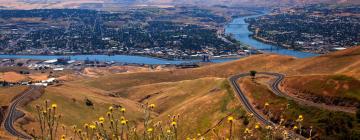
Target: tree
{"type": "Point", "coordinates": [246, 121]}
{"type": "Point", "coordinates": [88, 102]}
{"type": "Point", "coordinates": [253, 74]}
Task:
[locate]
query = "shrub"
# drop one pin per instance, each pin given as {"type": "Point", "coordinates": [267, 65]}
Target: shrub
{"type": "Point", "coordinates": [88, 102]}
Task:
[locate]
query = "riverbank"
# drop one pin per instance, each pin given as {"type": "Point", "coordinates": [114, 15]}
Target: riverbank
{"type": "Point", "coordinates": [239, 29]}
{"type": "Point", "coordinates": [284, 45]}
{"type": "Point", "coordinates": [126, 59]}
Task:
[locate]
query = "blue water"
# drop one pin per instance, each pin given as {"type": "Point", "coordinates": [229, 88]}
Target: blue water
{"type": "Point", "coordinates": [239, 28]}
{"type": "Point", "coordinates": [116, 58]}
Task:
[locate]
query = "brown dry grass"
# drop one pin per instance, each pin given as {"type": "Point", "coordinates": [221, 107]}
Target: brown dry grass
{"type": "Point", "coordinates": [8, 93]}
{"type": "Point", "coordinates": [6, 96]}
{"type": "Point", "coordinates": [193, 103]}
{"type": "Point", "coordinates": [38, 76]}
{"type": "Point", "coordinates": [192, 93]}
{"type": "Point", "coordinates": [96, 72]}
{"type": "Point", "coordinates": [12, 77]}
{"type": "Point", "coordinates": [258, 93]}
{"type": "Point", "coordinates": [343, 62]}
{"type": "Point", "coordinates": [336, 86]}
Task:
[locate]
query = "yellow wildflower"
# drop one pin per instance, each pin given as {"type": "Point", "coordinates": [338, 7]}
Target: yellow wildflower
{"type": "Point", "coordinates": [152, 106]}
{"type": "Point", "coordinates": [230, 119]}
{"type": "Point", "coordinates": [122, 109]}
{"type": "Point", "coordinates": [173, 123]}
{"type": "Point", "coordinates": [92, 126]}
{"type": "Point", "coordinates": [101, 119]}
{"type": "Point", "coordinates": [247, 131]}
{"type": "Point", "coordinates": [123, 122]}
{"type": "Point", "coordinates": [111, 108]}
{"type": "Point", "coordinates": [295, 127]}
{"type": "Point", "coordinates": [300, 118]}
{"type": "Point", "coordinates": [257, 126]}
{"type": "Point", "coordinates": [150, 129]}
{"type": "Point", "coordinates": [54, 106]}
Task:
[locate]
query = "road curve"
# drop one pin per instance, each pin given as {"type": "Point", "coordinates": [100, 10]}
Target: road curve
{"type": "Point", "coordinates": [250, 108]}
{"type": "Point", "coordinates": [246, 102]}
{"type": "Point", "coordinates": [275, 88]}
{"type": "Point", "coordinates": [10, 118]}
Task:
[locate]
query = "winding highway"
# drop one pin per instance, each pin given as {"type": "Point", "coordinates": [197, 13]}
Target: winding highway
{"type": "Point", "coordinates": [276, 90]}
{"type": "Point", "coordinates": [250, 108]}
{"type": "Point", "coordinates": [11, 116]}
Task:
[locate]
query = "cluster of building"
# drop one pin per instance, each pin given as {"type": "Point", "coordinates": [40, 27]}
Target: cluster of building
{"type": "Point", "coordinates": [315, 28]}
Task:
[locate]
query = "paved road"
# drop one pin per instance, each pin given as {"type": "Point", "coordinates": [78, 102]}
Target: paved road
{"type": "Point", "coordinates": [275, 88]}
{"type": "Point", "coordinates": [250, 108]}
{"type": "Point", "coordinates": [246, 102]}
{"type": "Point", "coordinates": [11, 115]}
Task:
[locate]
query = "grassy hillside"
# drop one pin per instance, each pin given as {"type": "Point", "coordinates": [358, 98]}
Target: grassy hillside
{"type": "Point", "coordinates": [71, 99]}
{"type": "Point", "coordinates": [331, 89]}
{"type": "Point", "coordinates": [193, 100]}
{"type": "Point", "coordinates": [203, 97]}
{"type": "Point", "coordinates": [326, 124]}
{"type": "Point", "coordinates": [343, 62]}
{"type": "Point", "coordinates": [8, 93]}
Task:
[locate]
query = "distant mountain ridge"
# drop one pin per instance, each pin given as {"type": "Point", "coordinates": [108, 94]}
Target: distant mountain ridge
{"type": "Point", "coordinates": [36, 4]}
{"type": "Point", "coordinates": [250, 2]}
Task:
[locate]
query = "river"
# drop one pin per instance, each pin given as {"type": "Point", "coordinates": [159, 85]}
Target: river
{"type": "Point", "coordinates": [237, 27]}
{"type": "Point", "coordinates": [116, 58]}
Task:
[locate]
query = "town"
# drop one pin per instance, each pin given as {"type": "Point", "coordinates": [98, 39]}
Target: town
{"type": "Point", "coordinates": [316, 28]}
{"type": "Point", "coordinates": [170, 33]}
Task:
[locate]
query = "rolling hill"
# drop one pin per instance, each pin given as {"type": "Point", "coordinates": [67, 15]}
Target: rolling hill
{"type": "Point", "coordinates": [195, 93]}
{"type": "Point", "coordinates": [342, 62]}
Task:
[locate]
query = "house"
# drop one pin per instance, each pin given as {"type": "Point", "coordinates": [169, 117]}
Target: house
{"type": "Point", "coordinates": [49, 81]}
{"type": "Point", "coordinates": [40, 84]}
{"type": "Point", "coordinates": [58, 69]}
{"type": "Point", "coordinates": [52, 61]}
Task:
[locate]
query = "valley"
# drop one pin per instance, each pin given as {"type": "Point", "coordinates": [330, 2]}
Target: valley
{"type": "Point", "coordinates": [179, 69]}
{"type": "Point", "coordinates": [202, 91]}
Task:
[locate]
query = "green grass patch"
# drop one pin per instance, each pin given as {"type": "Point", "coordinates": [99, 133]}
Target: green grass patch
{"type": "Point", "coordinates": [229, 95]}
{"type": "Point", "coordinates": [343, 78]}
